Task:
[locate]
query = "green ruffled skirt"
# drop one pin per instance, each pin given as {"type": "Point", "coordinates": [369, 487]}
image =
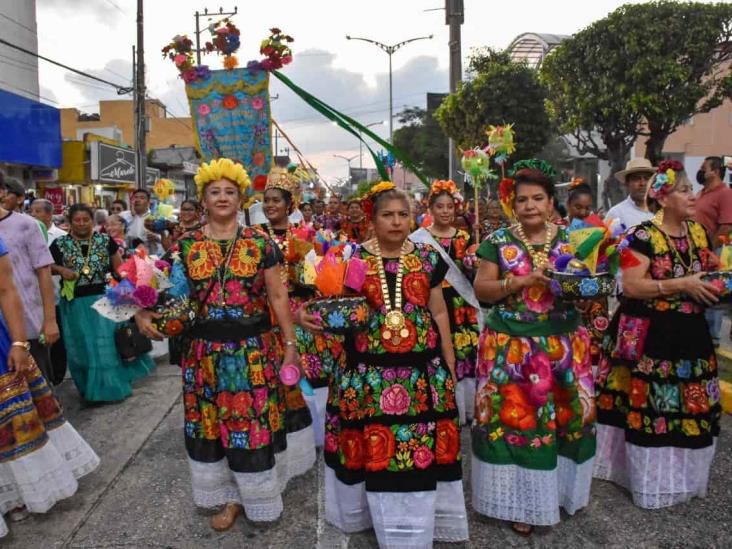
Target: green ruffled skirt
{"type": "Point", "coordinates": [95, 366]}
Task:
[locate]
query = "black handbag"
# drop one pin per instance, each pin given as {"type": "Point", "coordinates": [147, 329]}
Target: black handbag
{"type": "Point", "coordinates": [130, 343]}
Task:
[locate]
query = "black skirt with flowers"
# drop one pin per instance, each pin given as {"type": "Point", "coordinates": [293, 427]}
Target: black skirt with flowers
{"type": "Point", "coordinates": [392, 420]}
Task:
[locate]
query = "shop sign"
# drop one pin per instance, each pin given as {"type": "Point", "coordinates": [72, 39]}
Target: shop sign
{"type": "Point", "coordinates": [151, 176]}
{"type": "Point", "coordinates": [55, 195]}
{"type": "Point", "coordinates": [190, 168]}
{"type": "Point", "coordinates": [112, 164]}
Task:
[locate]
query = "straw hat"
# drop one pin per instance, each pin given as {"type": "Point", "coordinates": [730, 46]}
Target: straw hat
{"type": "Point", "coordinates": [636, 165]}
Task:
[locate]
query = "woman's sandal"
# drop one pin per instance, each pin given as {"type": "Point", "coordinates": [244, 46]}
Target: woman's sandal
{"type": "Point", "coordinates": [522, 529]}
{"type": "Point", "coordinates": [224, 519]}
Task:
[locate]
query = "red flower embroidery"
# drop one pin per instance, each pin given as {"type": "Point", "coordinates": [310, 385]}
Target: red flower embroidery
{"type": "Point", "coordinates": [696, 399]}
{"type": "Point", "coordinates": [371, 289]}
{"type": "Point", "coordinates": [230, 102]}
{"type": "Point", "coordinates": [638, 393]}
{"type": "Point", "coordinates": [380, 447]}
{"type": "Point", "coordinates": [351, 443]}
{"type": "Point", "coordinates": [447, 443]}
{"type": "Point", "coordinates": [516, 412]}
{"type": "Point", "coordinates": [417, 288]}
{"type": "Point", "coordinates": [405, 343]}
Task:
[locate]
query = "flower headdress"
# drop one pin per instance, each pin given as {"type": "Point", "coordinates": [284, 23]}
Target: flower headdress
{"type": "Point", "coordinates": [368, 199]}
{"type": "Point", "coordinates": [221, 168]}
{"type": "Point", "coordinates": [665, 178]}
{"type": "Point", "coordinates": [507, 187]}
{"type": "Point", "coordinates": [440, 186]}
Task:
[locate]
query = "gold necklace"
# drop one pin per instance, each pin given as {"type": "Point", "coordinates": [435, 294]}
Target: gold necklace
{"type": "Point", "coordinates": [672, 246]}
{"type": "Point", "coordinates": [86, 268]}
{"type": "Point", "coordinates": [396, 324]}
{"type": "Point", "coordinates": [538, 259]}
{"type": "Point", "coordinates": [284, 248]}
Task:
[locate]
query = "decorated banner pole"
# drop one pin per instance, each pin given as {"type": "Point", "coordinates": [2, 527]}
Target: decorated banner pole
{"type": "Point", "coordinates": [477, 165]}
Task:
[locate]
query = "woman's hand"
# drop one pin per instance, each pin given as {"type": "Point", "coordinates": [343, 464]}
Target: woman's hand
{"type": "Point", "coordinates": [307, 320]}
{"type": "Point", "coordinates": [700, 291]}
{"type": "Point", "coordinates": [67, 274]}
{"type": "Point", "coordinates": [19, 360]}
{"type": "Point", "coordinates": [450, 362]}
{"type": "Point", "coordinates": [535, 278]}
{"type": "Point", "coordinates": [292, 357]}
{"type": "Point", "coordinates": [144, 319]}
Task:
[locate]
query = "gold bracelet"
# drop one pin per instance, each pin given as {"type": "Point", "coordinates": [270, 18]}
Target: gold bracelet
{"type": "Point", "coordinates": [24, 344]}
{"type": "Point", "coordinates": [503, 285]}
{"type": "Point", "coordinates": [508, 284]}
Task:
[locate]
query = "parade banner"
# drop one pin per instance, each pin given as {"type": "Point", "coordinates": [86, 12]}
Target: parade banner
{"type": "Point", "coordinates": [231, 115]}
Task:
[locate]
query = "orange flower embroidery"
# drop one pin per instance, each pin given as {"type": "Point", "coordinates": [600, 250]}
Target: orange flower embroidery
{"type": "Point", "coordinates": [245, 258]}
{"type": "Point", "coordinates": [380, 447]}
{"type": "Point", "coordinates": [203, 258]}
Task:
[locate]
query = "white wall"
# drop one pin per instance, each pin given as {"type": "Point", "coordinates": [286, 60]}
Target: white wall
{"type": "Point", "coordinates": [19, 71]}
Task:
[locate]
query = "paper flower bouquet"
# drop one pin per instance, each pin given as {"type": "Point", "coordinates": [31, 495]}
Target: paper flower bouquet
{"type": "Point", "coordinates": [588, 272]}
{"type": "Point", "coordinates": [337, 275]}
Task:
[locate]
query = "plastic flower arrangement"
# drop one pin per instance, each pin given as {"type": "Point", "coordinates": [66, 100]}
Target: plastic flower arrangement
{"type": "Point", "coordinates": [500, 142]}
{"type": "Point", "coordinates": [225, 39]}
{"type": "Point", "coordinates": [221, 168]}
{"type": "Point", "coordinates": [276, 50]}
{"type": "Point", "coordinates": [477, 164]}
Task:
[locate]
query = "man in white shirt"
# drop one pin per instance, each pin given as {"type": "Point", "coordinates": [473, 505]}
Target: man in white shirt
{"type": "Point", "coordinates": [136, 222]}
{"type": "Point", "coordinates": [633, 210]}
{"type": "Point", "coordinates": [42, 210]}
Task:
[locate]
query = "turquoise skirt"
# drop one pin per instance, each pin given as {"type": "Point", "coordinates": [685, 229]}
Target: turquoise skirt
{"type": "Point", "coordinates": [96, 367]}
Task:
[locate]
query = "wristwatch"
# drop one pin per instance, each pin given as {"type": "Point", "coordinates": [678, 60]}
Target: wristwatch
{"type": "Point", "coordinates": [24, 344]}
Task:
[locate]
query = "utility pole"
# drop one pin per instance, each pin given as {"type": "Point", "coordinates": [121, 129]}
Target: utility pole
{"type": "Point", "coordinates": [205, 13]}
{"type": "Point", "coordinates": [454, 17]}
{"type": "Point", "coordinates": [140, 125]}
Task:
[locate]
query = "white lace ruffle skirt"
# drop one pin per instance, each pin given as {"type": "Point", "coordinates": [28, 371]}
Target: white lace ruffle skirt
{"type": "Point", "coordinates": [399, 519]}
{"type": "Point", "coordinates": [518, 494]}
{"type": "Point", "coordinates": [214, 484]}
{"type": "Point", "coordinates": [656, 477]}
{"type": "Point", "coordinates": [47, 475]}
{"type": "Point", "coordinates": [316, 404]}
{"type": "Point", "coordinates": [465, 396]}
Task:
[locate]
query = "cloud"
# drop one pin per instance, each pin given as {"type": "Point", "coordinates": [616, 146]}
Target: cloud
{"type": "Point", "coordinates": [117, 71]}
{"type": "Point", "coordinates": [107, 12]}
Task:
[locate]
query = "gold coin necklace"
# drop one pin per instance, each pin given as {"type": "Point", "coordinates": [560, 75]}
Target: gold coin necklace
{"type": "Point", "coordinates": [284, 248]}
{"type": "Point", "coordinates": [86, 268]}
{"type": "Point", "coordinates": [396, 324]}
{"type": "Point", "coordinates": [541, 258]}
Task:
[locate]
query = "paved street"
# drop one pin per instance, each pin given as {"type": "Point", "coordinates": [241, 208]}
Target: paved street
{"type": "Point", "coordinates": [140, 496]}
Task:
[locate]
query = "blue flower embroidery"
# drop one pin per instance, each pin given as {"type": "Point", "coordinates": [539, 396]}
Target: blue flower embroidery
{"type": "Point", "coordinates": [589, 287]}
{"type": "Point", "coordinates": [403, 434]}
{"type": "Point", "coordinates": [683, 370]}
{"type": "Point", "coordinates": [336, 320]}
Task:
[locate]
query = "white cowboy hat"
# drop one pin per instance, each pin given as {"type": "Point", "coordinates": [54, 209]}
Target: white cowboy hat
{"type": "Point", "coordinates": [636, 165]}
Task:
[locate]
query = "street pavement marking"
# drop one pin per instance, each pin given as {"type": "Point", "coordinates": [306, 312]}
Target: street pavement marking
{"type": "Point", "coordinates": [327, 535]}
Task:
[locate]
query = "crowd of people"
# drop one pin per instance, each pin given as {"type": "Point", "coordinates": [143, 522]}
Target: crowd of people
{"type": "Point", "coordinates": [464, 331]}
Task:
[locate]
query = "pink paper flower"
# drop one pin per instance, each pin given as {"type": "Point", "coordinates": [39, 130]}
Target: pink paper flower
{"type": "Point", "coordinates": [257, 103]}
{"type": "Point", "coordinates": [204, 109]}
{"type": "Point", "coordinates": [189, 76]}
{"type": "Point", "coordinates": [395, 400]}
{"type": "Point", "coordinates": [423, 457]}
{"type": "Point", "coordinates": [179, 59]}
{"type": "Point", "coordinates": [145, 296]}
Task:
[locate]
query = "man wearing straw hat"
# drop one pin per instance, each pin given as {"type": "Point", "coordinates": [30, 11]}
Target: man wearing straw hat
{"type": "Point", "coordinates": [633, 210]}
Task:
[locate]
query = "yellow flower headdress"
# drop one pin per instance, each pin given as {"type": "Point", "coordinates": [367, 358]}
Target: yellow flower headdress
{"type": "Point", "coordinates": [221, 168]}
{"type": "Point", "coordinates": [440, 185]}
{"type": "Point", "coordinates": [367, 202]}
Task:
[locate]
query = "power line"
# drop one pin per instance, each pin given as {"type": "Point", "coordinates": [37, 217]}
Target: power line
{"type": "Point", "coordinates": [116, 6]}
{"type": "Point", "coordinates": [18, 23]}
{"type": "Point", "coordinates": [120, 89]}
{"type": "Point", "coordinates": [34, 94]}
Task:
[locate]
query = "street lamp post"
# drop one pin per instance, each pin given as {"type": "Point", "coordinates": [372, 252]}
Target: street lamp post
{"type": "Point", "coordinates": [349, 160]}
{"type": "Point", "coordinates": [390, 50]}
{"type": "Point", "coordinates": [360, 142]}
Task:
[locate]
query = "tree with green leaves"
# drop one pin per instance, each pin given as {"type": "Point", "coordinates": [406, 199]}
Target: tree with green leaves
{"type": "Point", "coordinates": [500, 91]}
{"type": "Point", "coordinates": [643, 70]}
{"type": "Point", "coordinates": [422, 140]}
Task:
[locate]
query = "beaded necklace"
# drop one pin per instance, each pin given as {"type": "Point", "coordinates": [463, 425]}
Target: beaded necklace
{"type": "Point", "coordinates": [284, 247]}
{"type": "Point", "coordinates": [541, 258]}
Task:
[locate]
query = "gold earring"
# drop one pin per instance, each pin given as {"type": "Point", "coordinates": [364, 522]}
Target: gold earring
{"type": "Point", "coordinates": [658, 218]}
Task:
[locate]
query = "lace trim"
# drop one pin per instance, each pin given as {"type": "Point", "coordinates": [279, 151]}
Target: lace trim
{"type": "Point", "coordinates": [656, 477]}
{"type": "Point", "coordinates": [517, 494]}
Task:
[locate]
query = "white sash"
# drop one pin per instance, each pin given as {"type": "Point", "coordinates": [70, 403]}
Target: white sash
{"type": "Point", "coordinates": [454, 276]}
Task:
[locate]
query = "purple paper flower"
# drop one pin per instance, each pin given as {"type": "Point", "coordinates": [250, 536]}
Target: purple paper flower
{"type": "Point", "coordinates": [161, 265]}
{"type": "Point", "coordinates": [254, 66]}
{"type": "Point", "coordinates": [145, 296]}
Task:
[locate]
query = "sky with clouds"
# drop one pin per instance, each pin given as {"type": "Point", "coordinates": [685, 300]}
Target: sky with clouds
{"type": "Point", "coordinates": [97, 36]}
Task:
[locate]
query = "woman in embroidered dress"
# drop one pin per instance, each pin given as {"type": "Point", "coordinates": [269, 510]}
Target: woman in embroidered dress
{"type": "Point", "coordinates": [462, 305]}
{"type": "Point", "coordinates": [657, 387]}
{"type": "Point", "coordinates": [320, 352]}
{"type": "Point", "coordinates": [534, 434]}
{"type": "Point", "coordinates": [84, 259]}
{"type": "Point", "coordinates": [240, 453]}
{"type": "Point", "coordinates": [41, 455]}
{"type": "Point", "coordinates": [392, 443]}
{"type": "Point", "coordinates": [356, 227]}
